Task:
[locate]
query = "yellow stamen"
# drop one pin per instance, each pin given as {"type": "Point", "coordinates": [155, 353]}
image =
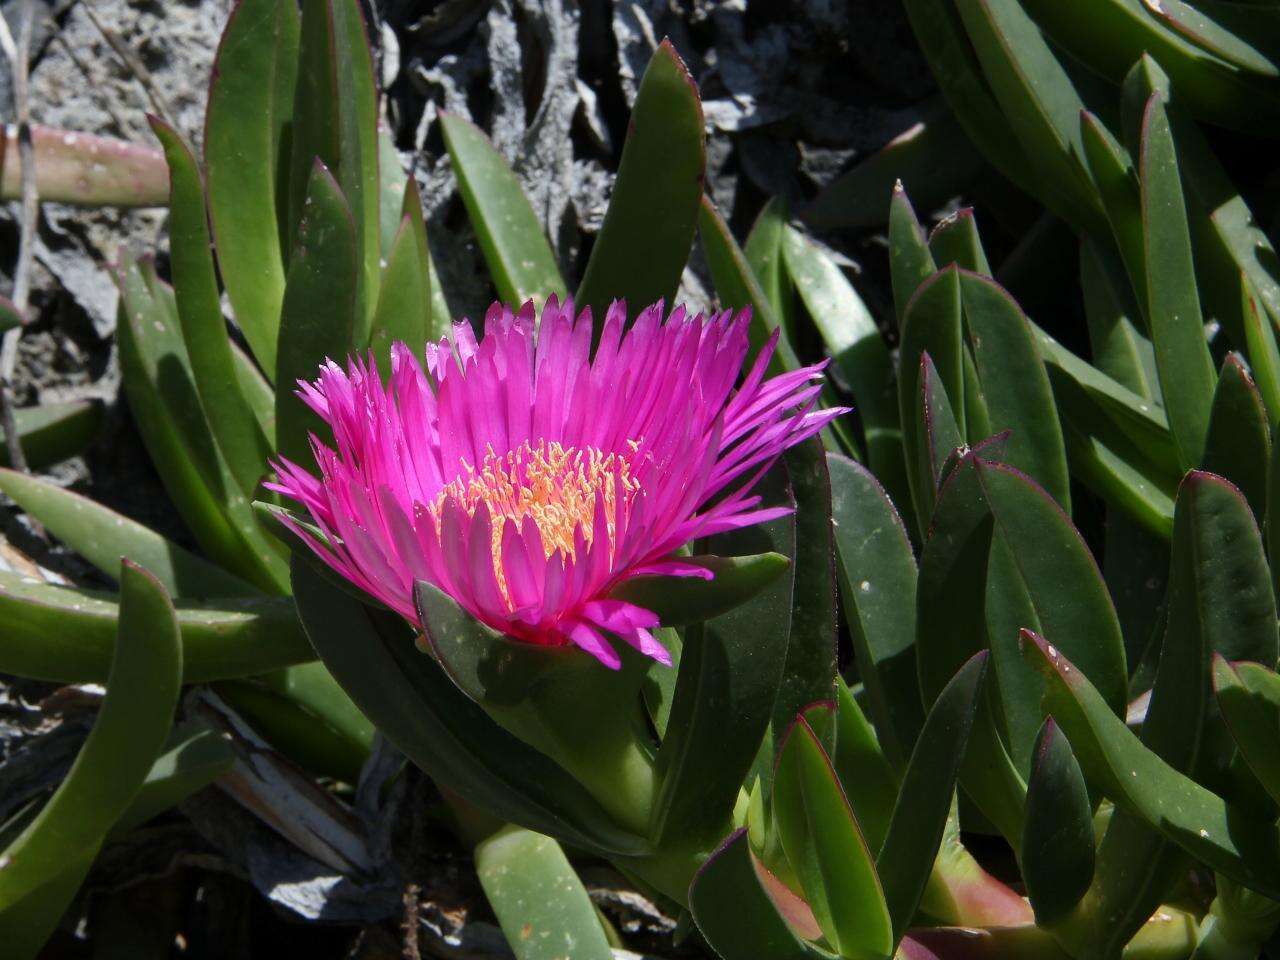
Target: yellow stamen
{"type": "Point", "coordinates": [556, 486]}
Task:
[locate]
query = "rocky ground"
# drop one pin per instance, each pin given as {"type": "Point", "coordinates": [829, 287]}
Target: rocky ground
{"type": "Point", "coordinates": [794, 91]}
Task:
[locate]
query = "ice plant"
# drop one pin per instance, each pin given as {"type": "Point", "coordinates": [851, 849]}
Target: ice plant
{"type": "Point", "coordinates": [527, 478]}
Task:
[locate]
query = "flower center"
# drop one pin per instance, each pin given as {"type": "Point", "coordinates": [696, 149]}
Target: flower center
{"type": "Point", "coordinates": [557, 486]}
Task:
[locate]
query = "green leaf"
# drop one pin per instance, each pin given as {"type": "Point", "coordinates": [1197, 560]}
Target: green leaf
{"type": "Point", "coordinates": [393, 182]}
{"type": "Point", "coordinates": [1120, 351]}
{"type": "Point", "coordinates": [192, 758]}
{"type": "Point", "coordinates": [1260, 344]}
{"type": "Point", "coordinates": [864, 772]}
{"type": "Point", "coordinates": [924, 800]}
{"type": "Point", "coordinates": [142, 691]}
{"type": "Point", "coordinates": [52, 432]}
{"type": "Point", "coordinates": [542, 906]}
{"type": "Point", "coordinates": [303, 713]}
{"type": "Point", "coordinates": [763, 251]}
{"type": "Point", "coordinates": [937, 434]}
{"type": "Point", "coordinates": [910, 262]}
{"type": "Point", "coordinates": [730, 671]}
{"type": "Point", "coordinates": [335, 121]}
{"type": "Point", "coordinates": [955, 240]}
{"type": "Point", "coordinates": [811, 665]}
{"type": "Point", "coordinates": [1238, 444]}
{"type": "Point", "coordinates": [878, 586]}
{"type": "Point", "coordinates": [162, 397]}
{"type": "Point", "coordinates": [1054, 582]}
{"type": "Point", "coordinates": [931, 323]}
{"type": "Point", "coordinates": [1112, 34]}
{"type": "Point", "coordinates": [440, 317]}
{"type": "Point", "coordinates": [250, 101]}
{"type": "Point", "coordinates": [103, 536]}
{"type": "Point", "coordinates": [1177, 328]}
{"type": "Point", "coordinates": [404, 300]}
{"type": "Point", "coordinates": [680, 601]}
{"type": "Point", "coordinates": [737, 906]}
{"type": "Point", "coordinates": [67, 634]}
{"type": "Point", "coordinates": [520, 259]}
{"type": "Point", "coordinates": [941, 35]}
{"type": "Point", "coordinates": [1039, 101]}
{"type": "Point", "coordinates": [1249, 697]}
{"type": "Point", "coordinates": [1117, 183]}
{"type": "Point", "coordinates": [859, 355]}
{"type": "Point", "coordinates": [231, 420]}
{"type": "Point", "coordinates": [1015, 385]}
{"type": "Point", "coordinates": [410, 699]}
{"type": "Point", "coordinates": [318, 319]}
{"type": "Point", "coordinates": [1222, 837]}
{"type": "Point", "coordinates": [827, 851]}
{"type": "Point", "coordinates": [559, 700]}
{"type": "Point", "coordinates": [648, 228]}
{"type": "Point", "coordinates": [1057, 844]}
{"type": "Point", "coordinates": [737, 287]}
{"type": "Point", "coordinates": [1220, 583]}
{"type": "Point", "coordinates": [934, 156]}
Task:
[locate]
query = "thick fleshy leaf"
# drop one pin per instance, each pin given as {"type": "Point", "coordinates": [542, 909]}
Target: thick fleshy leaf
{"type": "Point", "coordinates": [406, 694]}
{"type": "Point", "coordinates": [865, 774]}
{"type": "Point", "coordinates": [1047, 576]}
{"type": "Point", "coordinates": [1260, 343]}
{"type": "Point", "coordinates": [811, 665]}
{"type": "Point", "coordinates": [859, 355]}
{"type": "Point", "coordinates": [136, 714]}
{"type": "Point", "coordinates": [924, 800]}
{"type": "Point", "coordinates": [910, 262]}
{"type": "Point", "coordinates": [877, 584]}
{"type": "Point", "coordinates": [1015, 386]}
{"type": "Point", "coordinates": [1238, 443]}
{"type": "Point", "coordinates": [250, 101]}
{"type": "Point", "coordinates": [54, 431]}
{"type": "Point", "coordinates": [540, 903]}
{"type": "Point", "coordinates": [83, 169]}
{"type": "Point", "coordinates": [1177, 327]}
{"type": "Point", "coordinates": [730, 670]}
{"type": "Point", "coordinates": [1057, 844]}
{"type": "Point", "coordinates": [1038, 100]}
{"type": "Point", "coordinates": [931, 323]}
{"type": "Point", "coordinates": [231, 419]}
{"type": "Point", "coordinates": [941, 35]}
{"type": "Point", "coordinates": [192, 758]}
{"type": "Point", "coordinates": [937, 434]}
{"type": "Point", "coordinates": [393, 181]}
{"type": "Point", "coordinates": [559, 700]}
{"type": "Point", "coordinates": [680, 601]}
{"type": "Point", "coordinates": [1113, 175]}
{"type": "Point", "coordinates": [738, 907]}
{"type": "Point", "coordinates": [648, 229]}
{"type": "Point", "coordinates": [955, 240]}
{"type": "Point", "coordinates": [317, 321]}
{"type": "Point", "coordinates": [1120, 350]}
{"type": "Point", "coordinates": [737, 287]}
{"type": "Point", "coordinates": [440, 316]}
{"type": "Point", "coordinates": [1223, 837]}
{"type": "Point", "coordinates": [160, 385]}
{"type": "Point", "coordinates": [1249, 697]}
{"type": "Point", "coordinates": [521, 261]}
{"type": "Point", "coordinates": [404, 299]}
{"type": "Point", "coordinates": [303, 713]}
{"type": "Point", "coordinates": [67, 634]}
{"type": "Point", "coordinates": [763, 251]}
{"type": "Point", "coordinates": [335, 121]}
{"type": "Point", "coordinates": [826, 850]}
{"type": "Point", "coordinates": [102, 537]}
{"type": "Point", "coordinates": [934, 156]}
{"type": "Point", "coordinates": [1209, 86]}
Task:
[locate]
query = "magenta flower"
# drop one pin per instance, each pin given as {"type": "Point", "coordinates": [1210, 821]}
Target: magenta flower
{"type": "Point", "coordinates": [527, 480]}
